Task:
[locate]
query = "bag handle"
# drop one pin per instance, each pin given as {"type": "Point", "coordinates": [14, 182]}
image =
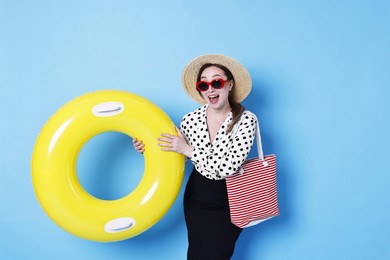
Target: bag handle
{"type": "Point", "coordinates": [257, 137]}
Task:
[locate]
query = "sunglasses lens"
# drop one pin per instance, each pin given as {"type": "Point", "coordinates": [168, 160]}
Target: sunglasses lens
{"type": "Point", "coordinates": [218, 83]}
{"type": "Point", "coordinates": [203, 86]}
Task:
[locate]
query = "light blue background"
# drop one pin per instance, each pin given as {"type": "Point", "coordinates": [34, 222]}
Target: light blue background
{"type": "Point", "coordinates": [320, 88]}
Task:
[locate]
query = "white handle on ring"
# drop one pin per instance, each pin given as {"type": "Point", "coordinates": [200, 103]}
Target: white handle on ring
{"type": "Point", "coordinates": [108, 109]}
{"type": "Point", "coordinates": [119, 224]}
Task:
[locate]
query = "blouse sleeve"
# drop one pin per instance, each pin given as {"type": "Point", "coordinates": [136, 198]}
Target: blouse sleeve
{"type": "Point", "coordinates": [238, 148]}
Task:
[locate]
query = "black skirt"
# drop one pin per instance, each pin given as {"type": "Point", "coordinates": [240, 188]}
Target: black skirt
{"type": "Point", "coordinates": [211, 235]}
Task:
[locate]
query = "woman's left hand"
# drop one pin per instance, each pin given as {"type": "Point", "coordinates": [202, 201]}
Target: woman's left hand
{"type": "Point", "coordinates": [175, 143]}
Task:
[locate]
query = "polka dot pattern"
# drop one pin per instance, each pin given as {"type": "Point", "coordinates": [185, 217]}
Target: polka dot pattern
{"type": "Point", "coordinates": [225, 155]}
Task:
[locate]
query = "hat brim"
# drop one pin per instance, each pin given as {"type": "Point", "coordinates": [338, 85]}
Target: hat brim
{"type": "Point", "coordinates": [242, 79]}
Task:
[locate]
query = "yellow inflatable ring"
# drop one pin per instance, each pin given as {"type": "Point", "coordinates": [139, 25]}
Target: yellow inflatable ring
{"type": "Point", "coordinates": [54, 166]}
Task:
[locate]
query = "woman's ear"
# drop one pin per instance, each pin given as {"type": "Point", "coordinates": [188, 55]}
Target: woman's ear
{"type": "Point", "coordinates": [231, 85]}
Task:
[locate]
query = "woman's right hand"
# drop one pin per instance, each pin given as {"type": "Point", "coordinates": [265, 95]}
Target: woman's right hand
{"type": "Point", "coordinates": [139, 146]}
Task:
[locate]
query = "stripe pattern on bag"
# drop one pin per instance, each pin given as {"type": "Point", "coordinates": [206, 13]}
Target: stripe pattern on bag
{"type": "Point", "coordinates": [253, 198]}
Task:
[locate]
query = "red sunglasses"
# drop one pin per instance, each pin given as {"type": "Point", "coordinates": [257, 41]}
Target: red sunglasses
{"type": "Point", "coordinates": [216, 83]}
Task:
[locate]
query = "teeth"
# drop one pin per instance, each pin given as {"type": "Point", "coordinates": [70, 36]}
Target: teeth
{"type": "Point", "coordinates": [214, 96]}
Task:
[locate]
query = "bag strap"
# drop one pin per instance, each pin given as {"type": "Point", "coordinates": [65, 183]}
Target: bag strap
{"type": "Point", "coordinates": [257, 137]}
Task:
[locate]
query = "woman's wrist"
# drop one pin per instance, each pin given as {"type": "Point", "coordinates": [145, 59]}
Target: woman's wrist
{"type": "Point", "coordinates": [188, 151]}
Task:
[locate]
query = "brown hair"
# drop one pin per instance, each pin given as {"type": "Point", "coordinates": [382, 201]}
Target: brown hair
{"type": "Point", "coordinates": [237, 108]}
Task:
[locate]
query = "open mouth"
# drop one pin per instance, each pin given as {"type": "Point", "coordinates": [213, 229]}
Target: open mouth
{"type": "Point", "coordinates": [213, 99]}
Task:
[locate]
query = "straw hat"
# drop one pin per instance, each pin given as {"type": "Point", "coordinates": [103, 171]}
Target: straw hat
{"type": "Point", "coordinates": [242, 79]}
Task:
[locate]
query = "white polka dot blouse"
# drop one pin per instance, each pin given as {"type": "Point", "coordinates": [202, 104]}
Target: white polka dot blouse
{"type": "Point", "coordinates": [225, 155]}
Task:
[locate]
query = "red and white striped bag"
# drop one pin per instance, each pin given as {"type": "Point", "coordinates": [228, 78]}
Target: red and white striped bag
{"type": "Point", "coordinates": [252, 190]}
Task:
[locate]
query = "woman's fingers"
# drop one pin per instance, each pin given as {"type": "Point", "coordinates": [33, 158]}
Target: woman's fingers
{"type": "Point", "coordinates": [167, 140]}
{"type": "Point", "coordinates": [175, 143]}
{"type": "Point", "coordinates": [178, 131]}
{"type": "Point", "coordinates": [165, 144]}
{"type": "Point", "coordinates": [168, 136]}
{"type": "Point", "coordinates": [139, 145]}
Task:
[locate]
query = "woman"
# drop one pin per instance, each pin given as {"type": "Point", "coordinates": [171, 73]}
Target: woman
{"type": "Point", "coordinates": [217, 138]}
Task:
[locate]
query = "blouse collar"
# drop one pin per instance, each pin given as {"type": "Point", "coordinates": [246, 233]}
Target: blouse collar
{"type": "Point", "coordinates": [222, 129]}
